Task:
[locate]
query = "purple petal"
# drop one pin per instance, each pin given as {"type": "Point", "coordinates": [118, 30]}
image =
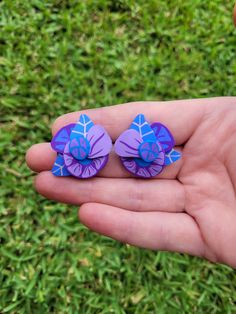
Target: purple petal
{"type": "Point", "coordinates": [163, 136]}
{"type": "Point", "coordinates": [83, 169]}
{"type": "Point", "coordinates": [157, 165]}
{"type": "Point", "coordinates": [98, 163]}
{"type": "Point", "coordinates": [61, 138]}
{"type": "Point", "coordinates": [89, 172]}
{"type": "Point", "coordinates": [128, 143]}
{"type": "Point", "coordinates": [75, 168]}
{"type": "Point", "coordinates": [100, 142]}
{"type": "Point", "coordinates": [145, 170]}
{"type": "Point", "coordinates": [155, 170]}
{"type": "Point", "coordinates": [129, 164]}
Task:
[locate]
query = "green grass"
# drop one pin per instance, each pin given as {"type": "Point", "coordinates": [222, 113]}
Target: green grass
{"type": "Point", "coordinates": [59, 56]}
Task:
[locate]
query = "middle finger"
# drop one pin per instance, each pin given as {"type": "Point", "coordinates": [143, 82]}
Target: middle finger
{"type": "Point", "coordinates": [131, 194]}
{"type": "Point", "coordinates": [41, 157]}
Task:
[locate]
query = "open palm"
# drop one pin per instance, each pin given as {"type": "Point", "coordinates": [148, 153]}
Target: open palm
{"type": "Point", "coordinates": [190, 207]}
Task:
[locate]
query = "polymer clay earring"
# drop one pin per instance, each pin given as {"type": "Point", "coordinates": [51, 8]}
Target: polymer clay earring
{"type": "Point", "coordinates": [146, 149]}
{"type": "Point", "coordinates": [82, 149]}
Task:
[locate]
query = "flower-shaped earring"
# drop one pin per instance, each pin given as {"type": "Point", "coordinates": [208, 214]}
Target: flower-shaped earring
{"type": "Point", "coordinates": [83, 149]}
{"type": "Point", "coordinates": [146, 149]}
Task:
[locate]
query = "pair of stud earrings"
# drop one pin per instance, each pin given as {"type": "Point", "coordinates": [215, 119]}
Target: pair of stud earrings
{"type": "Point", "coordinates": [83, 148]}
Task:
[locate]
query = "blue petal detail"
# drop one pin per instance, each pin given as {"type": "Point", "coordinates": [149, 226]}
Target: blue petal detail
{"type": "Point", "coordinates": [163, 136]}
{"type": "Point", "coordinates": [79, 147]}
{"type": "Point", "coordinates": [172, 157]}
{"type": "Point", "coordinates": [62, 136]}
{"type": "Point", "coordinates": [140, 124]}
{"type": "Point", "coordinates": [59, 168]}
{"type": "Point", "coordinates": [86, 162]}
{"type": "Point", "coordinates": [59, 140]}
{"type": "Point", "coordinates": [141, 162]}
{"type": "Point", "coordinates": [82, 127]}
{"type": "Point", "coordinates": [60, 146]}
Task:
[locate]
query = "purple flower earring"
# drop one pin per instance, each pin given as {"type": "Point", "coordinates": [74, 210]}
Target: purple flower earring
{"type": "Point", "coordinates": [82, 149]}
{"type": "Point", "coordinates": [146, 149]}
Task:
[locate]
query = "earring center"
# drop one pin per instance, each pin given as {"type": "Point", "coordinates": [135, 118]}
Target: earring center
{"type": "Point", "coordinates": [148, 151]}
{"type": "Point", "coordinates": [79, 148]}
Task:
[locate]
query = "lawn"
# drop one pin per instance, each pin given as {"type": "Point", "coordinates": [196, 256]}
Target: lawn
{"type": "Point", "coordinates": [59, 56]}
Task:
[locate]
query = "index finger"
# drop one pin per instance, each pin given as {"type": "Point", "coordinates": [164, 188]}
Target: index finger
{"type": "Point", "coordinates": [181, 117]}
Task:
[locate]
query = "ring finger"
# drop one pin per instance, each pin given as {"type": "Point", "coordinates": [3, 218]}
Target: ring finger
{"type": "Point", "coordinates": [41, 157]}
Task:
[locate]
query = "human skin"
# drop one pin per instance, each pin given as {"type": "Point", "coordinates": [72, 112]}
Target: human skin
{"type": "Point", "coordinates": [190, 207]}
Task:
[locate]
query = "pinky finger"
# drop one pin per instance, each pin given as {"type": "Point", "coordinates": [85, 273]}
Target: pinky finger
{"type": "Point", "coordinates": [163, 231]}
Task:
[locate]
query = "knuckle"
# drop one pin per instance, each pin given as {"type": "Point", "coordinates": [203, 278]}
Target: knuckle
{"type": "Point", "coordinates": [136, 195]}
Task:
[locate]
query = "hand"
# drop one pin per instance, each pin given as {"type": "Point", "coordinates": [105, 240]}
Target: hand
{"type": "Point", "coordinates": [190, 207]}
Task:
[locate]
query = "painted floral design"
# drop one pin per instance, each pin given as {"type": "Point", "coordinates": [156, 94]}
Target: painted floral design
{"type": "Point", "coordinates": [146, 149]}
{"type": "Point", "coordinates": [82, 148]}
